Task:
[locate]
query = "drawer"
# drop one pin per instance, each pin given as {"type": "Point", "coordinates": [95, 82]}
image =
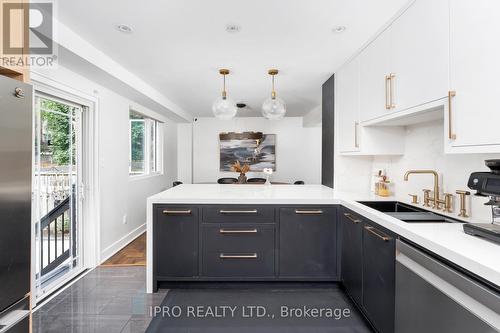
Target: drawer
{"type": "Point", "coordinates": [238, 237]}
{"type": "Point", "coordinates": [238, 214]}
{"type": "Point", "coordinates": [236, 250]}
{"type": "Point", "coordinates": [258, 263]}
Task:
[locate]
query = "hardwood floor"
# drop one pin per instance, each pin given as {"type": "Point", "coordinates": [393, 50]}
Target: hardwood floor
{"type": "Point", "coordinates": [134, 254]}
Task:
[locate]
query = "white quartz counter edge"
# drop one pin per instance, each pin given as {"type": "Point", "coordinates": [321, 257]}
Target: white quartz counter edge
{"type": "Point", "coordinates": [446, 240]}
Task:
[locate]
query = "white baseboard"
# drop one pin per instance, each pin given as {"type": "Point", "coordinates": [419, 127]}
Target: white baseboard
{"type": "Point", "coordinates": [111, 250]}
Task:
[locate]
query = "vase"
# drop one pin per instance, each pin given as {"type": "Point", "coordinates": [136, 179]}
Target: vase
{"type": "Point", "coordinates": [242, 179]}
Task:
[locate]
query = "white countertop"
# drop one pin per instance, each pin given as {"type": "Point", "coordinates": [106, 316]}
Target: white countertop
{"type": "Point", "coordinates": [447, 240]}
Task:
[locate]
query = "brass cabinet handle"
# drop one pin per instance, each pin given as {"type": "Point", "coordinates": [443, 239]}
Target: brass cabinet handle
{"type": "Point", "coordinates": [387, 105]}
{"type": "Point", "coordinates": [251, 211]}
{"type": "Point", "coordinates": [352, 219]}
{"type": "Point", "coordinates": [372, 230]}
{"type": "Point", "coordinates": [356, 143]}
{"type": "Point", "coordinates": [177, 212]}
{"type": "Point", "coordinates": [238, 256]}
{"type": "Point", "coordinates": [451, 135]}
{"type": "Point", "coordinates": [392, 77]}
{"type": "Point", "coordinates": [308, 212]}
{"type": "Point", "coordinates": [233, 231]}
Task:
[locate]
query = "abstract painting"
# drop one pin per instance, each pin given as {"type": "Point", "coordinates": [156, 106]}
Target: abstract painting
{"type": "Point", "coordinates": [257, 153]}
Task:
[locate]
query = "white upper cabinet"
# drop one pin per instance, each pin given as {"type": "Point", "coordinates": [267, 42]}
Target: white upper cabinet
{"type": "Point", "coordinates": [347, 106]}
{"type": "Point", "coordinates": [474, 75]}
{"type": "Point", "coordinates": [375, 66]}
{"type": "Point", "coordinates": [420, 53]}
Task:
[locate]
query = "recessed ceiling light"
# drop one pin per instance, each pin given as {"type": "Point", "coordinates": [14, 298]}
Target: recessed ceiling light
{"type": "Point", "coordinates": [233, 28]}
{"type": "Point", "coordinates": [124, 28]}
{"type": "Point", "coordinates": [339, 29]}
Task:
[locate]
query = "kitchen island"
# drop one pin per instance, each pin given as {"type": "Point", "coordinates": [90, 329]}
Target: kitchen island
{"type": "Point", "coordinates": [205, 203]}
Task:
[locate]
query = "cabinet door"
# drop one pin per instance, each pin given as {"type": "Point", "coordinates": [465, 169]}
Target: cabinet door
{"type": "Point", "coordinates": [379, 260]}
{"type": "Point", "coordinates": [352, 255]}
{"type": "Point", "coordinates": [375, 65]}
{"type": "Point", "coordinates": [420, 52]}
{"type": "Point", "coordinates": [17, 28]}
{"type": "Point", "coordinates": [347, 97]}
{"type": "Point", "coordinates": [474, 72]}
{"type": "Point", "coordinates": [307, 245]}
{"type": "Point", "coordinates": [176, 241]}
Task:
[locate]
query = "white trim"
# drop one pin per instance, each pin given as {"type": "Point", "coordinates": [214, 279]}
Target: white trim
{"type": "Point", "coordinates": [134, 178]}
{"type": "Point", "coordinates": [111, 250]}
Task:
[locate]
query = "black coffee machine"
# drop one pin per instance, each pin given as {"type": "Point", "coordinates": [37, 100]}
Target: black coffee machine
{"type": "Point", "coordinates": [487, 184]}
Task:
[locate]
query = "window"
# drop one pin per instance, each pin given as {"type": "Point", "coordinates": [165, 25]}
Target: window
{"type": "Point", "coordinates": [145, 152]}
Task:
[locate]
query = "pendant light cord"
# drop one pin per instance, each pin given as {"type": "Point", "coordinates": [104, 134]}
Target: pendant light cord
{"type": "Point", "coordinates": [273, 93]}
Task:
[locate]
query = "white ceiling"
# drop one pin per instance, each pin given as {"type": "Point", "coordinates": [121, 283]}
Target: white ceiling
{"type": "Point", "coordinates": [178, 45]}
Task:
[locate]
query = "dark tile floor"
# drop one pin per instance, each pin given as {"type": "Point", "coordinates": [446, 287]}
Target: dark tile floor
{"type": "Point", "coordinates": [108, 299]}
{"type": "Point", "coordinates": [113, 299]}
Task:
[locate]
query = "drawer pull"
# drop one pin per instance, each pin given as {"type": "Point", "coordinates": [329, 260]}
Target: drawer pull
{"type": "Point", "coordinates": [238, 256]}
{"type": "Point", "coordinates": [177, 212]}
{"type": "Point", "coordinates": [308, 212]}
{"type": "Point", "coordinates": [251, 211]}
{"type": "Point", "coordinates": [352, 219]}
{"type": "Point", "coordinates": [372, 230]}
{"type": "Point", "coordinates": [229, 231]}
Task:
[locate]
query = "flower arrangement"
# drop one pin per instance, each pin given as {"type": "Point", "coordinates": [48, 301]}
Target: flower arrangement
{"type": "Point", "coordinates": [242, 169]}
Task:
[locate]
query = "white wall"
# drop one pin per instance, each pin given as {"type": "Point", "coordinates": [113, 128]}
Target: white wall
{"type": "Point", "coordinates": [424, 149]}
{"type": "Point", "coordinates": [298, 149]}
{"type": "Point", "coordinates": [119, 194]}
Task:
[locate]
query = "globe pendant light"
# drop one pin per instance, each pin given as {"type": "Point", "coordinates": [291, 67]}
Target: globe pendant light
{"type": "Point", "coordinates": [273, 107]}
{"type": "Point", "coordinates": [223, 107]}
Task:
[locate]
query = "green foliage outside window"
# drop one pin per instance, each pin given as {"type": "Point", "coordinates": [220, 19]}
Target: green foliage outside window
{"type": "Point", "coordinates": [58, 130]}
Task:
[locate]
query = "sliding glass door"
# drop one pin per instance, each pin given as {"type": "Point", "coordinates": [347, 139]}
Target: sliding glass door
{"type": "Point", "coordinates": [58, 188]}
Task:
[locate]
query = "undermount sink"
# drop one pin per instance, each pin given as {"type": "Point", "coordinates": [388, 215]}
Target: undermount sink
{"type": "Point", "coordinates": [407, 213]}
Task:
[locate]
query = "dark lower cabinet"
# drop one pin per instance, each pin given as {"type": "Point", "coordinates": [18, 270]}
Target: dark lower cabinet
{"type": "Point", "coordinates": [307, 246]}
{"type": "Point", "coordinates": [379, 256]}
{"type": "Point", "coordinates": [368, 269]}
{"type": "Point", "coordinates": [352, 255]}
{"type": "Point", "coordinates": [22, 326]}
{"type": "Point", "coordinates": [176, 241]}
{"type": "Point", "coordinates": [244, 243]}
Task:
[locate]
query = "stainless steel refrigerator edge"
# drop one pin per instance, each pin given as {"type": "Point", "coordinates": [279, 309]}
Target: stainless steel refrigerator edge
{"type": "Point", "coordinates": [16, 104]}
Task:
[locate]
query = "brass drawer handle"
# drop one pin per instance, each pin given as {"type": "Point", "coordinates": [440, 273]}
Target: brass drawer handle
{"type": "Point", "coordinates": [387, 105]}
{"type": "Point", "coordinates": [356, 143]}
{"type": "Point", "coordinates": [251, 211]}
{"type": "Point", "coordinates": [392, 77]}
{"type": "Point", "coordinates": [352, 219]}
{"type": "Point", "coordinates": [372, 230]}
{"type": "Point", "coordinates": [249, 231]}
{"type": "Point", "coordinates": [177, 212]}
{"type": "Point", "coordinates": [451, 135]}
{"type": "Point", "coordinates": [238, 256]}
{"type": "Point", "coordinates": [308, 212]}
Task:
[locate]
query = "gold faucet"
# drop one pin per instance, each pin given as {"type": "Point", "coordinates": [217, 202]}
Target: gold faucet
{"type": "Point", "coordinates": [436, 200]}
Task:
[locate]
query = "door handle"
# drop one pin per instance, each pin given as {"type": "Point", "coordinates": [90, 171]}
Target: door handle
{"type": "Point", "coordinates": [451, 135]}
{"type": "Point", "coordinates": [177, 212]}
{"type": "Point", "coordinates": [351, 218]}
{"type": "Point", "coordinates": [238, 256]}
{"type": "Point", "coordinates": [376, 233]}
{"type": "Point", "coordinates": [251, 211]}
{"type": "Point", "coordinates": [308, 212]}
{"type": "Point", "coordinates": [249, 231]}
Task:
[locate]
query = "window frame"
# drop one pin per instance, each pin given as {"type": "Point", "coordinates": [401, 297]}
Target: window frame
{"type": "Point", "coordinates": [149, 122]}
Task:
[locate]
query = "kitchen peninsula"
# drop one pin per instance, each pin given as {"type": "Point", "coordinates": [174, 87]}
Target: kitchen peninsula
{"type": "Point", "coordinates": [212, 232]}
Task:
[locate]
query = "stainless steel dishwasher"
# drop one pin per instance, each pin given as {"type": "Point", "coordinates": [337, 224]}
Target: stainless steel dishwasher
{"type": "Point", "coordinates": [433, 297]}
